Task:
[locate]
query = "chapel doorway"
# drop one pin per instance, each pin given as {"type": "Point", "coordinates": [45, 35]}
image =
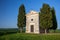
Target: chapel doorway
{"type": "Point", "coordinates": [32, 28]}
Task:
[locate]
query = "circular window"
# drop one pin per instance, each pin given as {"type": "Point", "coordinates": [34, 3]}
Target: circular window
{"type": "Point", "coordinates": [31, 19]}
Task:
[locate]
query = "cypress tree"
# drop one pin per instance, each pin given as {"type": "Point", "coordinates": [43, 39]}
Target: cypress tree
{"type": "Point", "coordinates": [54, 27]}
{"type": "Point", "coordinates": [45, 17]}
{"type": "Point", "coordinates": [21, 18]}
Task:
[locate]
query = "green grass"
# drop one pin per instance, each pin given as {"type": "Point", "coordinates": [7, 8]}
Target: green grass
{"type": "Point", "coordinates": [12, 34]}
{"type": "Point", "coordinates": [56, 31]}
{"type": "Point", "coordinates": [24, 36]}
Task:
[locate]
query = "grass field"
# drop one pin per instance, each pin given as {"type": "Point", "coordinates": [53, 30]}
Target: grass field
{"type": "Point", "coordinates": [13, 34]}
{"type": "Point", "coordinates": [24, 36]}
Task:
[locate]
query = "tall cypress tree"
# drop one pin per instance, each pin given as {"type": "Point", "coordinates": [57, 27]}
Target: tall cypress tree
{"type": "Point", "coordinates": [21, 18]}
{"type": "Point", "coordinates": [54, 27]}
{"type": "Point", "coordinates": [45, 17]}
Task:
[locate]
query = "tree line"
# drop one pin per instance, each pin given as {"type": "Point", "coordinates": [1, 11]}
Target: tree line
{"type": "Point", "coordinates": [47, 18]}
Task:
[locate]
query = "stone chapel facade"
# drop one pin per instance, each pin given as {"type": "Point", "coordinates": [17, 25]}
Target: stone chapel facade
{"type": "Point", "coordinates": [32, 22]}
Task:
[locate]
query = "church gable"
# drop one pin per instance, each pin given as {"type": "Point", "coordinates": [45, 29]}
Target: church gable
{"type": "Point", "coordinates": [31, 13]}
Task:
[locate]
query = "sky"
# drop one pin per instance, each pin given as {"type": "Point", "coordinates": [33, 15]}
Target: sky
{"type": "Point", "coordinates": [9, 10]}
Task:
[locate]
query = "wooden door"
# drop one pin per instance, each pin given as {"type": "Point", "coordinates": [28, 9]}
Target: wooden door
{"type": "Point", "coordinates": [32, 28]}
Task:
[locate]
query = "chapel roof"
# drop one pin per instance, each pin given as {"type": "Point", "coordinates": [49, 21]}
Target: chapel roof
{"type": "Point", "coordinates": [32, 13]}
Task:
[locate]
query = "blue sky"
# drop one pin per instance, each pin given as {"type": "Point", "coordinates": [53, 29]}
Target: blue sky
{"type": "Point", "coordinates": [9, 10]}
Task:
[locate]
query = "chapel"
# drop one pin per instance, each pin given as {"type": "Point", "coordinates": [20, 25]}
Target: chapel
{"type": "Point", "coordinates": [32, 22]}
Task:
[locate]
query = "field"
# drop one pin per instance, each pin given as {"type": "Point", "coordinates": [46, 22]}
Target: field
{"type": "Point", "coordinates": [13, 34]}
{"type": "Point", "coordinates": [5, 31]}
{"type": "Point", "coordinates": [24, 36]}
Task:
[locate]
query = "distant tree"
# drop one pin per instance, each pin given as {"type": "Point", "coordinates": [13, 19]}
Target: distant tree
{"type": "Point", "coordinates": [54, 27]}
{"type": "Point", "coordinates": [45, 17]}
{"type": "Point", "coordinates": [21, 18]}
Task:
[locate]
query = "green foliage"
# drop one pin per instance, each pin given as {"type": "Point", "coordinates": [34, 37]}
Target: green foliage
{"type": "Point", "coordinates": [45, 20]}
{"type": "Point", "coordinates": [45, 17]}
{"type": "Point", "coordinates": [21, 18]}
{"type": "Point", "coordinates": [24, 36]}
{"type": "Point", "coordinates": [54, 27]}
{"type": "Point", "coordinates": [8, 31]}
{"type": "Point", "coordinates": [45, 8]}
